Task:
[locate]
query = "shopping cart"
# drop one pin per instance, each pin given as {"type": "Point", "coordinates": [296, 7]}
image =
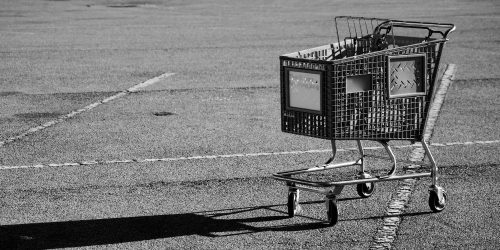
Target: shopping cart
{"type": "Point", "coordinates": [376, 82]}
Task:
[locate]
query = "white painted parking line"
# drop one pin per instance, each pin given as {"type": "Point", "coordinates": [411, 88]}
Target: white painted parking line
{"type": "Point", "coordinates": [211, 157]}
{"type": "Point", "coordinates": [149, 82]}
{"type": "Point", "coordinates": [86, 108]}
{"type": "Point", "coordinates": [387, 232]}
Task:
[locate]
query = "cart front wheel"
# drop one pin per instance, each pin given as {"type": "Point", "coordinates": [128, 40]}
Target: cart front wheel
{"type": "Point", "coordinates": [365, 190]}
{"type": "Point", "coordinates": [293, 203]}
{"type": "Point", "coordinates": [435, 203]}
{"type": "Point", "coordinates": [332, 211]}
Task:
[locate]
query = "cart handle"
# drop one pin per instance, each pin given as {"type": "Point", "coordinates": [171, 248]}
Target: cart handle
{"type": "Point", "coordinates": [417, 25]}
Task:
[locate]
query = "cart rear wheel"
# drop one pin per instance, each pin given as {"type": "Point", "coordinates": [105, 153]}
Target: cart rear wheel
{"type": "Point", "coordinates": [435, 204]}
{"type": "Point", "coordinates": [293, 203]}
{"type": "Point", "coordinates": [365, 190]}
{"type": "Point", "coordinates": [332, 211]}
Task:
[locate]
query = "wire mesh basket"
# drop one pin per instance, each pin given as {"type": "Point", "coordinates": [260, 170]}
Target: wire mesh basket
{"type": "Point", "coordinates": [374, 83]}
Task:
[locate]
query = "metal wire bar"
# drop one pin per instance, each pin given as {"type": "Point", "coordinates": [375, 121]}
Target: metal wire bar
{"type": "Point", "coordinates": [347, 182]}
{"type": "Point", "coordinates": [362, 154]}
{"type": "Point", "coordinates": [393, 158]}
{"type": "Point", "coordinates": [434, 167]}
{"type": "Point", "coordinates": [319, 168]}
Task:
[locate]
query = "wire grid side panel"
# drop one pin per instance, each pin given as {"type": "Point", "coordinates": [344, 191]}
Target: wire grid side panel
{"type": "Point", "coordinates": [366, 112]}
{"type": "Point", "coordinates": [303, 122]}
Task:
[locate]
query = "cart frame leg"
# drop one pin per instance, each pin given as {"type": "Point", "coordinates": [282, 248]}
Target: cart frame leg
{"type": "Point", "coordinates": [362, 155]}
{"type": "Point", "coordinates": [434, 167]}
{"type": "Point", "coordinates": [438, 190]}
{"type": "Point", "coordinates": [334, 152]}
{"type": "Point", "coordinates": [392, 156]}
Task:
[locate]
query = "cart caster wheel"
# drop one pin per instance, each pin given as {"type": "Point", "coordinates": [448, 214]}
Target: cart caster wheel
{"type": "Point", "coordinates": [293, 203]}
{"type": "Point", "coordinates": [435, 203]}
{"type": "Point", "coordinates": [332, 211]}
{"type": "Point", "coordinates": [365, 190]}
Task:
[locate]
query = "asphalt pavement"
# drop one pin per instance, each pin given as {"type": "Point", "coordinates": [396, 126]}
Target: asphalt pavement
{"type": "Point", "coordinates": [185, 163]}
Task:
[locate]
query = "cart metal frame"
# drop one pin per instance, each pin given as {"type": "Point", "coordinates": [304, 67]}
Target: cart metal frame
{"type": "Point", "coordinates": [366, 38]}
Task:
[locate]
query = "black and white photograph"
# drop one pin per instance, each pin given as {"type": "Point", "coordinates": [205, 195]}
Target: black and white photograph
{"type": "Point", "coordinates": [249, 124]}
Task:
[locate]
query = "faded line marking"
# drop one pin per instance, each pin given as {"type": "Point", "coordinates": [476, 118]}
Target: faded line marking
{"type": "Point", "coordinates": [387, 233]}
{"type": "Point", "coordinates": [149, 82]}
{"type": "Point", "coordinates": [438, 101]}
{"type": "Point", "coordinates": [211, 157]}
{"type": "Point", "coordinates": [86, 108]}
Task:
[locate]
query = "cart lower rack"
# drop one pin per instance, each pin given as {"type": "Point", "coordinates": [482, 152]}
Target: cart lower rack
{"type": "Point", "coordinates": [376, 83]}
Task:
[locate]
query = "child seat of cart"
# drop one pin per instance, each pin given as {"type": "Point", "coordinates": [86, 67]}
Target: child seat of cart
{"type": "Point", "coordinates": [364, 35]}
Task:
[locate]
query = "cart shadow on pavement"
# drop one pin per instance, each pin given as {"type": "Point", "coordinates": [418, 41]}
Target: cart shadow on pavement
{"type": "Point", "coordinates": [121, 230]}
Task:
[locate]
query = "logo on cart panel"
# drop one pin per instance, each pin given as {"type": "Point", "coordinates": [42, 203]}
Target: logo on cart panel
{"type": "Point", "coordinates": [407, 75]}
{"type": "Point", "coordinates": [304, 90]}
